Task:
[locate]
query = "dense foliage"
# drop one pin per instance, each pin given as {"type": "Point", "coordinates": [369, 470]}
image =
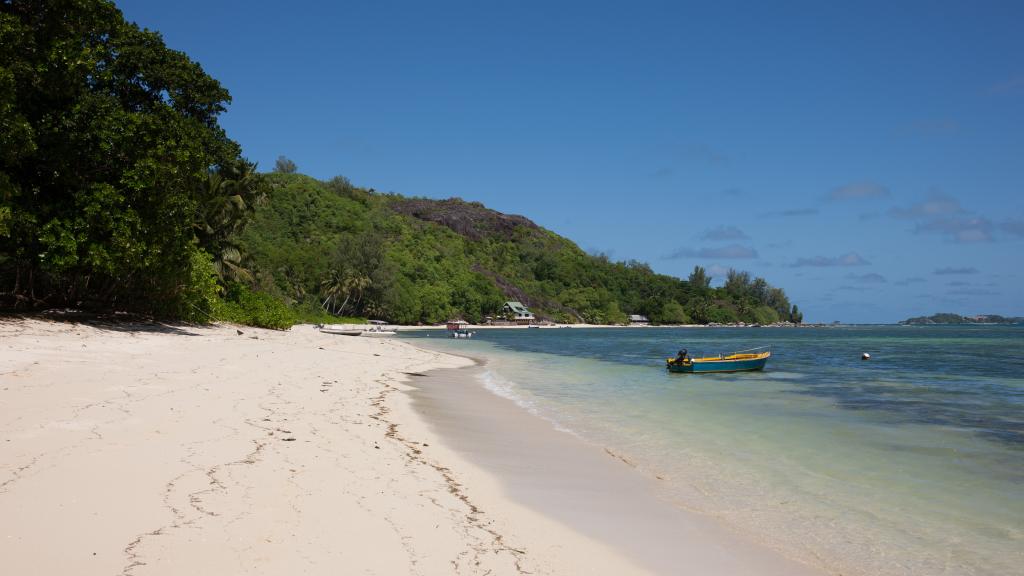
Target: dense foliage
{"type": "Point", "coordinates": [948, 318]}
{"type": "Point", "coordinates": [410, 260]}
{"type": "Point", "coordinates": [119, 190]}
{"type": "Point", "coordinates": [109, 145]}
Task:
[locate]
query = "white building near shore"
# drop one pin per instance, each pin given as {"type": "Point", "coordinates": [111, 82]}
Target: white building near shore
{"type": "Point", "coordinates": [518, 313]}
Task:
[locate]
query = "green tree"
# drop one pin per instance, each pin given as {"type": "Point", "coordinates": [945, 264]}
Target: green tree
{"type": "Point", "coordinates": [795, 315]}
{"type": "Point", "coordinates": [737, 284]}
{"type": "Point", "coordinates": [107, 139]}
{"type": "Point", "coordinates": [699, 278]}
{"type": "Point", "coordinates": [673, 313]}
{"type": "Point", "coordinates": [284, 166]}
{"type": "Point", "coordinates": [227, 199]}
{"type": "Point", "coordinates": [765, 315]}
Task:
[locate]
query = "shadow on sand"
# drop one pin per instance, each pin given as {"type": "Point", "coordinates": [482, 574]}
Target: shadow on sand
{"type": "Point", "coordinates": [115, 322]}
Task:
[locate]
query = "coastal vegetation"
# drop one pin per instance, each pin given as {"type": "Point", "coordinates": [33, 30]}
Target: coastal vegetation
{"type": "Point", "coordinates": [948, 318]}
{"type": "Point", "coordinates": [415, 260]}
{"type": "Point", "coordinates": [119, 190]}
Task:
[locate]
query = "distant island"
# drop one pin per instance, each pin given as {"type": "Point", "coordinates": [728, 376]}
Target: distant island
{"type": "Point", "coordinates": [947, 318]}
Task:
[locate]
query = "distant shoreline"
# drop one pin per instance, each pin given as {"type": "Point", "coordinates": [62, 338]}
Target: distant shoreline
{"type": "Point", "coordinates": [405, 327]}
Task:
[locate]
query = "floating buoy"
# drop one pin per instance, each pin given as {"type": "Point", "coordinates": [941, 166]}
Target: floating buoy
{"type": "Point", "coordinates": [865, 356]}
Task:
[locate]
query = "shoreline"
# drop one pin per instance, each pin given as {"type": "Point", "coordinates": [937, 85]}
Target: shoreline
{"type": "Point", "coordinates": [442, 327]}
{"type": "Point", "coordinates": [141, 449]}
{"type": "Point", "coordinates": [148, 449]}
{"type": "Point", "coordinates": [583, 486]}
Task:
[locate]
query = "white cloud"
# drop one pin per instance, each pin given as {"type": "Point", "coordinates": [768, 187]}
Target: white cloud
{"type": "Point", "coordinates": [724, 233]}
{"type": "Point", "coordinates": [869, 278]}
{"type": "Point", "coordinates": [936, 205]}
{"type": "Point", "coordinates": [732, 251]}
{"type": "Point", "coordinates": [848, 259]}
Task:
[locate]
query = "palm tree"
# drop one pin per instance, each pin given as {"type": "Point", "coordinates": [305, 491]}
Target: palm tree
{"type": "Point", "coordinates": [345, 284]}
{"type": "Point", "coordinates": [332, 288]}
{"type": "Point", "coordinates": [227, 199]}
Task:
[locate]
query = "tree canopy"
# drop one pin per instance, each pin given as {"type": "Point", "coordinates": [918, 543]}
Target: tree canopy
{"type": "Point", "coordinates": [108, 140]}
{"type": "Point", "coordinates": [352, 251]}
{"type": "Point", "coordinates": [119, 190]}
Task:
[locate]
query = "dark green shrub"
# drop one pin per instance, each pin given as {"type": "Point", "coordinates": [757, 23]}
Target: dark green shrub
{"type": "Point", "coordinates": [243, 306]}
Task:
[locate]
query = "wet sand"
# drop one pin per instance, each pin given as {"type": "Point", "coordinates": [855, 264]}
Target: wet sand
{"type": "Point", "coordinates": [583, 486]}
{"type": "Point", "coordinates": [148, 449]}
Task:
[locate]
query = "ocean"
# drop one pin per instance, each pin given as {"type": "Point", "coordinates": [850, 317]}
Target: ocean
{"type": "Point", "coordinates": [909, 463]}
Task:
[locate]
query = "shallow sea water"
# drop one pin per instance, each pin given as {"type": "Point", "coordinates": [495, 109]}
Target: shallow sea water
{"type": "Point", "coordinates": [910, 463]}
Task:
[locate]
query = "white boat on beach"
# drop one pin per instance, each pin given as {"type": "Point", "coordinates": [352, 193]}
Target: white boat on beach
{"type": "Point", "coordinates": [379, 329]}
{"type": "Point", "coordinates": [339, 330]}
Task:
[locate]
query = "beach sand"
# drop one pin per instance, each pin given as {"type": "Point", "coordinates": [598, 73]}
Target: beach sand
{"type": "Point", "coordinates": [149, 449]}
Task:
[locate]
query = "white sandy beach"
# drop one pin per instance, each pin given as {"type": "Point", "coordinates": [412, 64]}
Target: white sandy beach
{"type": "Point", "coordinates": [128, 449]}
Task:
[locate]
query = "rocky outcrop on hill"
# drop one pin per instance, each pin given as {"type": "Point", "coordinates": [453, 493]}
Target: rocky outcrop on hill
{"type": "Point", "coordinates": [470, 219]}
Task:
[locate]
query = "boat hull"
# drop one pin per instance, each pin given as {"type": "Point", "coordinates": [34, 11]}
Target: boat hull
{"type": "Point", "coordinates": [711, 366]}
{"type": "Point", "coordinates": [341, 332]}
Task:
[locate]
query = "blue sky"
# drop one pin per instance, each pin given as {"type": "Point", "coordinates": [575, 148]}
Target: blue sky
{"type": "Point", "coordinates": [868, 157]}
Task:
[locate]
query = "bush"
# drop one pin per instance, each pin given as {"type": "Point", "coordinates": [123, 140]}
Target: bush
{"type": "Point", "coordinates": [309, 312]}
{"type": "Point", "coordinates": [765, 315]}
{"type": "Point", "coordinates": [243, 306]}
{"type": "Point", "coordinates": [198, 298]}
{"type": "Point", "coordinates": [722, 315]}
{"type": "Point", "coordinates": [672, 313]}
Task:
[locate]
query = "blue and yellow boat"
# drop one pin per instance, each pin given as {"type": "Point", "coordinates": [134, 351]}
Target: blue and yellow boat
{"type": "Point", "coordinates": [742, 361]}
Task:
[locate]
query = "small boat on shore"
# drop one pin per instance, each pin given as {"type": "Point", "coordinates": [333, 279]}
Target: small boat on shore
{"type": "Point", "coordinates": [741, 361]}
{"type": "Point", "coordinates": [379, 329]}
{"type": "Point", "coordinates": [339, 331]}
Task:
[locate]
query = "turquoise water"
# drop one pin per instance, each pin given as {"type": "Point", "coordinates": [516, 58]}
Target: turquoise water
{"type": "Point", "coordinates": [910, 463]}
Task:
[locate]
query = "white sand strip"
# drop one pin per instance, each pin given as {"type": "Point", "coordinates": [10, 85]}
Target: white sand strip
{"type": "Point", "coordinates": [199, 451]}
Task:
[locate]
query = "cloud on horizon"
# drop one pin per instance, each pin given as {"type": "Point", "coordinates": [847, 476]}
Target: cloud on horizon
{"type": "Point", "coordinates": [949, 270]}
{"type": "Point", "coordinates": [972, 292]}
{"type": "Point", "coordinates": [731, 252]}
{"type": "Point", "coordinates": [724, 233]}
{"type": "Point", "coordinates": [858, 191]}
{"type": "Point", "coordinates": [960, 230]}
{"type": "Point", "coordinates": [869, 278]}
{"type": "Point", "coordinates": [943, 215]}
{"type": "Point", "coordinates": [717, 271]}
{"type": "Point", "coordinates": [848, 259]}
{"type": "Point", "coordinates": [935, 205]}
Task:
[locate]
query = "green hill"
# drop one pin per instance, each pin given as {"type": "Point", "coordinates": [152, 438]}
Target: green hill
{"type": "Point", "coordinates": [353, 251]}
{"type": "Point", "coordinates": [119, 191]}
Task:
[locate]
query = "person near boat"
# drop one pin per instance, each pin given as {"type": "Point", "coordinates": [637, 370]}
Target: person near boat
{"type": "Point", "coordinates": [741, 361]}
